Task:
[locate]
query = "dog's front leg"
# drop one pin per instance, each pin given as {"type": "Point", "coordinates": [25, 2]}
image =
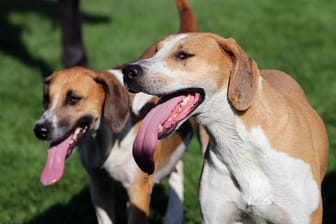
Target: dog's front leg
{"type": "Point", "coordinates": [219, 197]}
{"type": "Point", "coordinates": [102, 195]}
{"type": "Point", "coordinates": [139, 193]}
{"type": "Point", "coordinates": [174, 213]}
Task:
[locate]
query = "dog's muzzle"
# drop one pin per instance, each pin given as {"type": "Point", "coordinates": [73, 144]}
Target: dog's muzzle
{"type": "Point", "coordinates": [132, 73]}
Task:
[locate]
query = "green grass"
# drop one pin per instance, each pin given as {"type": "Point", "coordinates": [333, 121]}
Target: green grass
{"type": "Point", "coordinates": [295, 36]}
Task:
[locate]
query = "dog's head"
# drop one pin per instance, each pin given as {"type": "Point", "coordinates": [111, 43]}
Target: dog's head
{"type": "Point", "coordinates": [75, 101]}
{"type": "Point", "coordinates": [201, 61]}
{"type": "Point", "coordinates": [188, 70]}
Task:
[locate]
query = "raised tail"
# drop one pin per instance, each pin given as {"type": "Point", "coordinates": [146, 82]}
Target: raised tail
{"type": "Point", "coordinates": [188, 21]}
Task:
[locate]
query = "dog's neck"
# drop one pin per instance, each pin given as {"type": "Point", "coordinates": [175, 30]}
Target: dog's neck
{"type": "Point", "coordinates": [98, 145]}
{"type": "Point", "coordinates": [230, 145]}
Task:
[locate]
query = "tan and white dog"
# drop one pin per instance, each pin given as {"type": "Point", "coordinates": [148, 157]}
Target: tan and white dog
{"type": "Point", "coordinates": [268, 148]}
{"type": "Point", "coordinates": [93, 110]}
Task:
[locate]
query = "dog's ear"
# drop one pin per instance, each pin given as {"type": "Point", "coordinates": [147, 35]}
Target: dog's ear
{"type": "Point", "coordinates": [116, 104]}
{"type": "Point", "coordinates": [243, 78]}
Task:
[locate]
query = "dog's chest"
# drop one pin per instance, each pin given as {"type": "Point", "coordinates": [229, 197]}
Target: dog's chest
{"type": "Point", "coordinates": [120, 163]}
{"type": "Point", "coordinates": [264, 175]}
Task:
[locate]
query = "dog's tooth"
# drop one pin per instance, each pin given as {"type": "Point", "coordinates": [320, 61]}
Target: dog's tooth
{"type": "Point", "coordinates": [179, 110]}
{"type": "Point", "coordinates": [77, 131]}
{"type": "Point", "coordinates": [174, 115]}
{"type": "Point", "coordinates": [185, 100]}
{"type": "Point", "coordinates": [160, 128]}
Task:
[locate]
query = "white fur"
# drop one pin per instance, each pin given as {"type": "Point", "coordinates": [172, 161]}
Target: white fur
{"type": "Point", "coordinates": [167, 46]}
{"type": "Point", "coordinates": [157, 62]}
{"type": "Point", "coordinates": [295, 178]}
{"type": "Point", "coordinates": [120, 163]}
{"type": "Point", "coordinates": [118, 74]}
{"type": "Point", "coordinates": [51, 116]}
{"type": "Point", "coordinates": [140, 99]}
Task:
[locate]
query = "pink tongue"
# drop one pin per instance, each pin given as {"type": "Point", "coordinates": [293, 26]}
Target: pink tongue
{"type": "Point", "coordinates": [147, 138]}
{"type": "Point", "coordinates": [54, 167]}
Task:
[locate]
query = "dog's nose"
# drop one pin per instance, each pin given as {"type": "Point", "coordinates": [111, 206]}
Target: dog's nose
{"type": "Point", "coordinates": [132, 71]}
{"type": "Point", "coordinates": [131, 74]}
{"type": "Point", "coordinates": [42, 131]}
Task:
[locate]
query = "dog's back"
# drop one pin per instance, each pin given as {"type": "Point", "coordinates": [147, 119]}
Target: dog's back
{"type": "Point", "coordinates": [288, 87]}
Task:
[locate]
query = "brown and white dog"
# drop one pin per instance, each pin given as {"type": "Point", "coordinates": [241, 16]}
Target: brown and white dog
{"type": "Point", "coordinates": [93, 110]}
{"type": "Point", "coordinates": [268, 148]}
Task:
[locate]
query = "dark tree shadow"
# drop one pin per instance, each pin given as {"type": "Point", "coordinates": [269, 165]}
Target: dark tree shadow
{"type": "Point", "coordinates": [80, 208]}
{"type": "Point", "coordinates": [329, 198]}
{"type": "Point", "coordinates": [11, 38]}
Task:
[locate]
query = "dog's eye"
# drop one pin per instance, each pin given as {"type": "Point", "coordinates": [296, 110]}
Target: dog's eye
{"type": "Point", "coordinates": [182, 55]}
{"type": "Point", "coordinates": [72, 99]}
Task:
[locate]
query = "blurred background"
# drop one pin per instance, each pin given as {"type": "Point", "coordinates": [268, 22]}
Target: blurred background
{"type": "Point", "coordinates": [296, 36]}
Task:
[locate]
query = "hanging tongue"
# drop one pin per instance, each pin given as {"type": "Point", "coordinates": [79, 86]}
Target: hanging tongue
{"type": "Point", "coordinates": [54, 167]}
{"type": "Point", "coordinates": [147, 137]}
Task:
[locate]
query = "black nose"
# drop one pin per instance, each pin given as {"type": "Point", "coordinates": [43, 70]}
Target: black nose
{"type": "Point", "coordinates": [42, 131]}
{"type": "Point", "coordinates": [132, 71]}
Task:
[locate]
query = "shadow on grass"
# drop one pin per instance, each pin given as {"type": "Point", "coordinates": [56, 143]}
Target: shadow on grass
{"type": "Point", "coordinates": [81, 210]}
{"type": "Point", "coordinates": [78, 210]}
{"type": "Point", "coordinates": [329, 198]}
{"type": "Point", "coordinates": [11, 38]}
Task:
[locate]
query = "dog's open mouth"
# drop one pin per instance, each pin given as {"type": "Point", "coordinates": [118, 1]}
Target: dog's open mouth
{"type": "Point", "coordinates": [171, 111]}
{"type": "Point", "coordinates": [57, 154]}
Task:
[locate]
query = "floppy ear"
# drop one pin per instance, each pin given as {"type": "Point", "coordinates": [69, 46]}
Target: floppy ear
{"type": "Point", "coordinates": [243, 78]}
{"type": "Point", "coordinates": [116, 104]}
